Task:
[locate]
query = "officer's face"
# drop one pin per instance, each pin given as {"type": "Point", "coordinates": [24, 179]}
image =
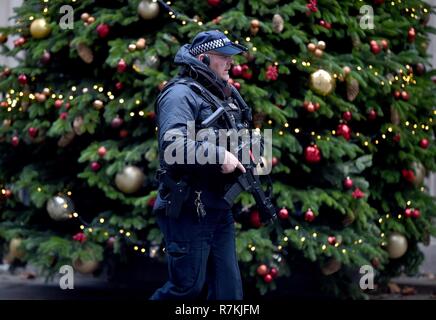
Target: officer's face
{"type": "Point", "coordinates": [221, 64]}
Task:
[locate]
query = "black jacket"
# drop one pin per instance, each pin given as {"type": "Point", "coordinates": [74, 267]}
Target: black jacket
{"type": "Point", "coordinates": [176, 105]}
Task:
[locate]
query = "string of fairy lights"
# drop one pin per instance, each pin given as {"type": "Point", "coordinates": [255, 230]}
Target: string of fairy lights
{"type": "Point", "coordinates": [13, 100]}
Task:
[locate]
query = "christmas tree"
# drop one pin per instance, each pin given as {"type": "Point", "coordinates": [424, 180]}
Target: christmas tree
{"type": "Point", "coordinates": [345, 86]}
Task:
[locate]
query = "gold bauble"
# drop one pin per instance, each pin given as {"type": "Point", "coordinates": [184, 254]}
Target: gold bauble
{"type": "Point", "coordinates": [397, 245]}
{"type": "Point", "coordinates": [148, 10]}
{"type": "Point", "coordinates": [420, 173]}
{"type": "Point", "coordinates": [15, 252]}
{"type": "Point", "coordinates": [3, 38]}
{"type": "Point", "coordinates": [85, 266]}
{"type": "Point", "coordinates": [141, 44]}
{"type": "Point", "coordinates": [130, 179]}
{"type": "Point", "coordinates": [40, 29]}
{"type": "Point", "coordinates": [78, 125]}
{"type": "Point", "coordinates": [278, 23]}
{"type": "Point", "coordinates": [132, 47]}
{"type": "Point", "coordinates": [322, 82]}
{"type": "Point", "coordinates": [318, 52]}
{"type": "Point", "coordinates": [98, 104]}
{"type": "Point", "coordinates": [7, 123]}
{"type": "Point", "coordinates": [60, 208]}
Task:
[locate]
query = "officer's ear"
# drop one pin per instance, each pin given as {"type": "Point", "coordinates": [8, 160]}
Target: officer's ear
{"type": "Point", "coordinates": [204, 58]}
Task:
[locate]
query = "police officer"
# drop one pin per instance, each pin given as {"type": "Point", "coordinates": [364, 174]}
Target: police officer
{"type": "Point", "coordinates": [196, 222]}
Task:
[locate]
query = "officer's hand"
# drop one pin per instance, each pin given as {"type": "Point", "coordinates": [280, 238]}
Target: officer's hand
{"type": "Point", "coordinates": [231, 163]}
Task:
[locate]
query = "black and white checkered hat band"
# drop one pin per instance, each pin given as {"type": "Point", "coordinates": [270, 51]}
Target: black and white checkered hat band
{"type": "Point", "coordinates": [211, 45]}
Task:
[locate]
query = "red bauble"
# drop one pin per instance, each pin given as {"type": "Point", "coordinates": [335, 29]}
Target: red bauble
{"type": "Point", "coordinates": [397, 138]}
{"type": "Point", "coordinates": [262, 270]}
{"type": "Point", "coordinates": [424, 143]}
{"type": "Point", "coordinates": [267, 278]}
{"type": "Point", "coordinates": [237, 70]}
{"type": "Point", "coordinates": [397, 94]}
{"type": "Point", "coordinates": [309, 216]}
{"type": "Point", "coordinates": [348, 183]}
{"type": "Point", "coordinates": [122, 66]}
{"type": "Point", "coordinates": [237, 85]}
{"type": "Point", "coordinates": [309, 106]}
{"type": "Point", "coordinates": [63, 115]}
{"type": "Point", "coordinates": [372, 114]}
{"type": "Point", "coordinates": [322, 23]}
{"type": "Point", "coordinates": [408, 175]}
{"type": "Point", "coordinates": [408, 212]}
{"type": "Point", "coordinates": [151, 202]}
{"type": "Point", "coordinates": [385, 44]}
{"type": "Point", "coordinates": [95, 166]}
{"type": "Point", "coordinates": [416, 213]}
{"type": "Point", "coordinates": [20, 41]}
{"type": "Point", "coordinates": [22, 79]}
{"type": "Point", "coordinates": [331, 240]}
{"type": "Point", "coordinates": [46, 57]}
{"type": "Point", "coordinates": [101, 151]}
{"type": "Point", "coordinates": [119, 86]}
{"type": "Point", "coordinates": [33, 132]}
{"type": "Point", "coordinates": [15, 141]}
{"type": "Point", "coordinates": [379, 1]}
{"type": "Point", "coordinates": [255, 219]}
{"type": "Point", "coordinates": [375, 49]}
{"type": "Point", "coordinates": [283, 213]}
{"type": "Point", "coordinates": [405, 95]}
{"type": "Point", "coordinates": [117, 122]}
{"type": "Point", "coordinates": [272, 73]}
{"type": "Point", "coordinates": [124, 133]}
{"type": "Point", "coordinates": [411, 35]}
{"type": "Point", "coordinates": [213, 3]}
{"type": "Point", "coordinates": [7, 194]}
{"type": "Point", "coordinates": [247, 74]}
{"type": "Point", "coordinates": [347, 116]}
{"type": "Point", "coordinates": [274, 272]}
{"type": "Point", "coordinates": [344, 130]}
{"type": "Point", "coordinates": [67, 106]}
{"type": "Point", "coordinates": [103, 30]}
{"type": "Point", "coordinates": [110, 242]}
{"type": "Point", "coordinates": [58, 103]}
{"type": "Point", "coordinates": [312, 154]}
{"type": "Point", "coordinates": [274, 161]}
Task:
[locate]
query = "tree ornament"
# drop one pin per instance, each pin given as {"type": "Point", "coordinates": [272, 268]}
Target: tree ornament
{"type": "Point", "coordinates": [103, 30]}
{"type": "Point", "coordinates": [278, 23]}
{"type": "Point", "coordinates": [33, 132]}
{"type": "Point", "coordinates": [357, 194]}
{"type": "Point", "coordinates": [408, 213]}
{"type": "Point", "coordinates": [237, 70]}
{"type": "Point", "coordinates": [20, 42]}
{"type": "Point", "coordinates": [379, 1]}
{"type": "Point", "coordinates": [411, 35]}
{"type": "Point", "coordinates": [309, 216]}
{"type": "Point", "coordinates": [346, 70]}
{"type": "Point", "coordinates": [397, 245]}
{"type": "Point", "coordinates": [331, 240]}
{"type": "Point", "coordinates": [124, 133]}
{"type": "Point", "coordinates": [15, 141]}
{"type": "Point", "coordinates": [322, 82]}
{"type": "Point", "coordinates": [312, 154]}
{"type": "Point", "coordinates": [375, 48]}
{"type": "Point", "coordinates": [312, 6]}
{"type": "Point", "coordinates": [16, 251]}
{"type": "Point", "coordinates": [78, 125]}
{"type": "Point", "coordinates": [85, 16]}
{"type": "Point", "coordinates": [101, 151]}
{"type": "Point", "coordinates": [321, 45]}
{"type": "Point", "coordinates": [408, 175]}
{"type": "Point", "coordinates": [46, 57]}
{"type": "Point", "coordinates": [347, 116]}
{"type": "Point", "coordinates": [331, 266]}
{"type": "Point", "coordinates": [246, 72]}
{"type": "Point", "coordinates": [131, 47]}
{"type": "Point", "coordinates": [309, 106]}
{"type": "Point", "coordinates": [85, 266]}
{"type": "Point", "coordinates": [271, 73]}
{"type": "Point", "coordinates": [343, 130]}
{"type": "Point", "coordinates": [130, 179]}
{"type": "Point", "coordinates": [63, 115]}
{"type": "Point", "coordinates": [66, 139]}
{"type": "Point", "coordinates": [395, 116]}
{"type": "Point", "coordinates": [80, 237]}
{"type": "Point", "coordinates": [121, 66]}
{"type": "Point", "coordinates": [267, 278]}
{"type": "Point", "coordinates": [348, 183]}
{"type": "Point", "coordinates": [274, 272]}
{"type": "Point", "coordinates": [95, 166]}
{"type": "Point", "coordinates": [262, 270]}
{"type": "Point", "coordinates": [352, 89]}
{"type": "Point", "coordinates": [420, 69]}
{"type": "Point", "coordinates": [117, 122]}
{"type": "Point", "coordinates": [424, 143]}
{"type": "Point", "coordinates": [385, 44]}
{"type": "Point", "coordinates": [162, 85]}
{"type": "Point", "coordinates": [254, 26]}
{"type": "Point", "coordinates": [405, 95]}
{"type": "Point", "coordinates": [372, 114]}
{"type": "Point", "coordinates": [60, 207]}
{"type": "Point", "coordinates": [420, 173]}
{"type": "Point", "coordinates": [416, 213]}
{"type": "Point", "coordinates": [318, 53]}
{"type": "Point", "coordinates": [396, 138]}
{"type": "Point", "coordinates": [3, 38]}
{"type": "Point", "coordinates": [255, 219]}
{"type": "Point", "coordinates": [141, 44]}
{"type": "Point", "coordinates": [39, 28]}
{"type": "Point", "coordinates": [311, 47]}
{"type": "Point", "coordinates": [98, 104]}
{"type": "Point", "coordinates": [58, 103]}
{"type": "Point", "coordinates": [85, 53]}
{"type": "Point", "coordinates": [22, 79]}
{"type": "Point", "coordinates": [148, 10]}
{"type": "Point", "coordinates": [6, 72]}
{"type": "Point", "coordinates": [214, 3]}
{"type": "Point", "coordinates": [283, 213]}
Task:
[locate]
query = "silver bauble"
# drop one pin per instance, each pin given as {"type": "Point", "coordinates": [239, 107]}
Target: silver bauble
{"type": "Point", "coordinates": [397, 245]}
{"type": "Point", "coordinates": [60, 207]}
{"type": "Point", "coordinates": [148, 9]}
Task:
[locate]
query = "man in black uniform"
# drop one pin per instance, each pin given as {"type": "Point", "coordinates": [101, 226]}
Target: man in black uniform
{"type": "Point", "coordinates": [197, 223]}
